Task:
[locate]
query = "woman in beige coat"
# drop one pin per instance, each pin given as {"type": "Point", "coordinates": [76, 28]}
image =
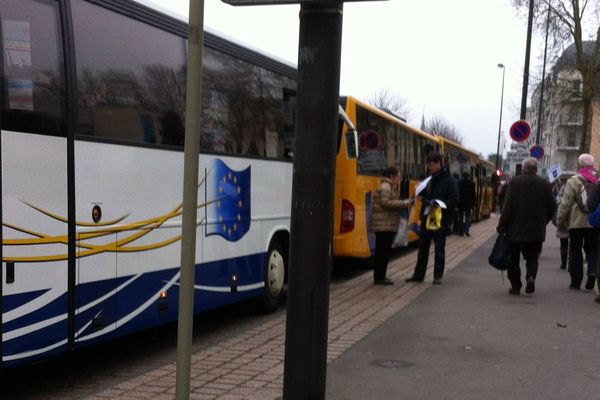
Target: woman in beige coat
{"type": "Point", "coordinates": [581, 234]}
{"type": "Point", "coordinates": [385, 216]}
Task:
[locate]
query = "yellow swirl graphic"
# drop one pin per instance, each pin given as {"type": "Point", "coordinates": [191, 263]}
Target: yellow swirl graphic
{"type": "Point", "coordinates": [85, 249]}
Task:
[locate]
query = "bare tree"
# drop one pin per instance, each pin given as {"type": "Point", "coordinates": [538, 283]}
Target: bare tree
{"type": "Point", "coordinates": [437, 125]}
{"type": "Point", "coordinates": [386, 99]}
{"type": "Point", "coordinates": [569, 21]}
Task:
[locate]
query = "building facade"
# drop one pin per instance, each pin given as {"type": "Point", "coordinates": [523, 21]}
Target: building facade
{"type": "Point", "coordinates": [558, 120]}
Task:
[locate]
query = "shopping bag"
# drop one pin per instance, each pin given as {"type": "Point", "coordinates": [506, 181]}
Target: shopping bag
{"type": "Point", "coordinates": [434, 219]}
{"type": "Point", "coordinates": [401, 238]}
{"type": "Point", "coordinates": [500, 256]}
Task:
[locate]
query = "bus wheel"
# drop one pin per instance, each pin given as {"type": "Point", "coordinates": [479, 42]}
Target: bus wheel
{"type": "Point", "coordinates": [274, 277]}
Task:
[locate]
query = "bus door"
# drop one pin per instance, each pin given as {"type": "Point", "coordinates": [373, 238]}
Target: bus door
{"type": "Point", "coordinates": [33, 148]}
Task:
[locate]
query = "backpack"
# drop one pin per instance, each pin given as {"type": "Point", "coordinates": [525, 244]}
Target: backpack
{"type": "Point", "coordinates": [584, 193]}
{"type": "Point", "coordinates": [594, 218]}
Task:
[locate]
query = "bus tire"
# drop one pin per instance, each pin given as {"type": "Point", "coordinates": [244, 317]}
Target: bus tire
{"type": "Point", "coordinates": [275, 268]}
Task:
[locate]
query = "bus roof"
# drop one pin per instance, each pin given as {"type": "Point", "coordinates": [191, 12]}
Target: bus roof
{"type": "Point", "coordinates": [461, 147]}
{"type": "Point", "coordinates": [391, 117]}
{"type": "Point", "coordinates": [215, 38]}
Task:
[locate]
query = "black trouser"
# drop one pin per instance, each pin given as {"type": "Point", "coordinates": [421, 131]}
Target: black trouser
{"type": "Point", "coordinates": [564, 252]}
{"type": "Point", "coordinates": [586, 239]}
{"type": "Point", "coordinates": [465, 218]}
{"type": "Point", "coordinates": [439, 240]}
{"type": "Point", "coordinates": [531, 251]}
{"type": "Point", "coordinates": [383, 246]}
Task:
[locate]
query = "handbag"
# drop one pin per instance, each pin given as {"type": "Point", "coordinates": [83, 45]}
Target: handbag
{"type": "Point", "coordinates": [500, 256]}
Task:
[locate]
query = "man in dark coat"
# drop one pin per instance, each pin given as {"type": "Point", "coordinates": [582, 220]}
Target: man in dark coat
{"type": "Point", "coordinates": [466, 201]}
{"type": "Point", "coordinates": [442, 186]}
{"type": "Point", "coordinates": [528, 206]}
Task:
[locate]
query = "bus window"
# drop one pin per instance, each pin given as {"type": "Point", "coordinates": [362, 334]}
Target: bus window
{"type": "Point", "coordinates": [131, 78]}
{"type": "Point", "coordinates": [33, 79]}
{"type": "Point", "coordinates": [244, 110]}
{"type": "Point", "coordinates": [371, 143]}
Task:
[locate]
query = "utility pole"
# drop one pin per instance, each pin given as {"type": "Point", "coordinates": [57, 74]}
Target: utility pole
{"type": "Point", "coordinates": [319, 56]}
{"type": "Point", "coordinates": [313, 185]}
{"type": "Point", "coordinates": [539, 124]}
{"type": "Point", "coordinates": [526, 68]}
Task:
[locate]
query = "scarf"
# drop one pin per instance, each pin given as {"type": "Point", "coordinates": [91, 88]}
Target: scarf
{"type": "Point", "coordinates": [589, 174]}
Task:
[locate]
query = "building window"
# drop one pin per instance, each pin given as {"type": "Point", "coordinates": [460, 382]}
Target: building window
{"type": "Point", "coordinates": [571, 138]}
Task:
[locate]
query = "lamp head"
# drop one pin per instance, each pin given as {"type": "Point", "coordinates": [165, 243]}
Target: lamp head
{"type": "Point", "coordinates": [500, 65]}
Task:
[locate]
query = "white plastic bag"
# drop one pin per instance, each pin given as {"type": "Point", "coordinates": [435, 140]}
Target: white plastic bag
{"type": "Point", "coordinates": [401, 238]}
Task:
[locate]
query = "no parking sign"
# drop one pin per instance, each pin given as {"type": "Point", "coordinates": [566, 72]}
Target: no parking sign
{"type": "Point", "coordinates": [520, 131]}
{"type": "Point", "coordinates": [537, 152]}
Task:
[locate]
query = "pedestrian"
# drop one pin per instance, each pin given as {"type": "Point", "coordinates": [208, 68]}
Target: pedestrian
{"type": "Point", "coordinates": [456, 224]}
{"type": "Point", "coordinates": [592, 203]}
{"type": "Point", "coordinates": [501, 194]}
{"type": "Point", "coordinates": [562, 233]}
{"type": "Point", "coordinates": [466, 201]}
{"type": "Point", "coordinates": [572, 215]}
{"type": "Point", "coordinates": [385, 217]}
{"type": "Point", "coordinates": [442, 186]}
{"type": "Point", "coordinates": [528, 207]}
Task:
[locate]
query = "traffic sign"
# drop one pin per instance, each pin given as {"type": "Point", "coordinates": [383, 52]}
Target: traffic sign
{"type": "Point", "coordinates": [537, 151]}
{"type": "Point", "coordinates": [520, 131]}
{"type": "Point", "coordinates": [516, 157]}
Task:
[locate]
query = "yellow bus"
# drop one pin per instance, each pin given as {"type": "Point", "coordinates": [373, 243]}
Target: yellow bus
{"type": "Point", "coordinates": [383, 140]}
{"type": "Point", "coordinates": [460, 160]}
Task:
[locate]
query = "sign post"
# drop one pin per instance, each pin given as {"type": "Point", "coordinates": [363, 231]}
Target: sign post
{"type": "Point", "coordinates": [193, 104]}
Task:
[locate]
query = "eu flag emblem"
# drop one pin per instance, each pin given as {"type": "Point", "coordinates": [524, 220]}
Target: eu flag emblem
{"type": "Point", "coordinates": [228, 213]}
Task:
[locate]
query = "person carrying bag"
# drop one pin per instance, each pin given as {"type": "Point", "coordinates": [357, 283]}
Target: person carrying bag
{"type": "Point", "coordinates": [385, 220]}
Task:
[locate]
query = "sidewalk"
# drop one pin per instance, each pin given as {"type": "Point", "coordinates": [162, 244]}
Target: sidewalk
{"type": "Point", "coordinates": [470, 339]}
{"type": "Point", "coordinates": [250, 366]}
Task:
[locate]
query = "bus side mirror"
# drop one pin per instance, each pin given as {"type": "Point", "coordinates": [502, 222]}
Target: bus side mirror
{"type": "Point", "coordinates": [351, 144]}
{"type": "Point", "coordinates": [351, 135]}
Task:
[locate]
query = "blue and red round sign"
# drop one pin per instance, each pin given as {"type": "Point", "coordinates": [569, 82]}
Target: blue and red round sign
{"type": "Point", "coordinates": [520, 131]}
{"type": "Point", "coordinates": [536, 151]}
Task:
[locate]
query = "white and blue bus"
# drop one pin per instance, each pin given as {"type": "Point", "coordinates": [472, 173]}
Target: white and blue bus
{"type": "Point", "coordinates": [92, 122]}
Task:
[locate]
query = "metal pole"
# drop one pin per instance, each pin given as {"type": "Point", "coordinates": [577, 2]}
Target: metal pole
{"type": "Point", "coordinates": [312, 201]}
{"type": "Point", "coordinates": [526, 69]}
{"type": "Point", "coordinates": [190, 198]}
{"type": "Point", "coordinates": [539, 124]}
{"type": "Point", "coordinates": [500, 123]}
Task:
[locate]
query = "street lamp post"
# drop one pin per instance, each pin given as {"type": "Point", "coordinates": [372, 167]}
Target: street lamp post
{"type": "Point", "coordinates": [500, 123]}
{"type": "Point", "coordinates": [499, 134]}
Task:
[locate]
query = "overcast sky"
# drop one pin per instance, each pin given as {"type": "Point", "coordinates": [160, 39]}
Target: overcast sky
{"type": "Point", "coordinates": [441, 56]}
